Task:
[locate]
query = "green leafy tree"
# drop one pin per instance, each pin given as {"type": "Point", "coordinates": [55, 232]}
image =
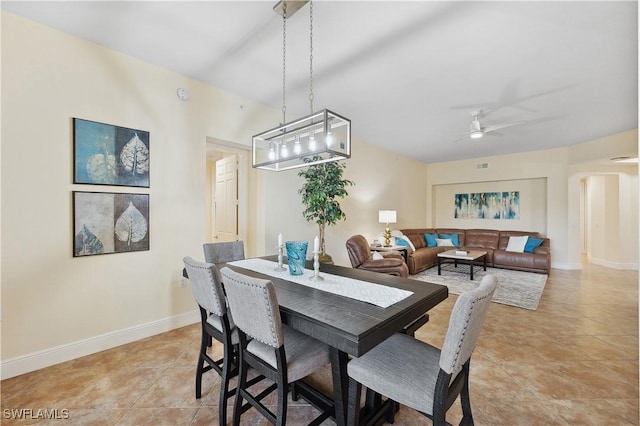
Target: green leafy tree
{"type": "Point", "coordinates": [322, 188]}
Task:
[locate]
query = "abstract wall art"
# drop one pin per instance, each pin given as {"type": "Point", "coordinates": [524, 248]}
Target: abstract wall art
{"type": "Point", "coordinates": [461, 206]}
{"type": "Point", "coordinates": [511, 205]}
{"type": "Point", "coordinates": [487, 205]}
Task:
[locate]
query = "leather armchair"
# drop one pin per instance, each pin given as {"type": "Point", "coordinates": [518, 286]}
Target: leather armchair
{"type": "Point", "coordinates": [360, 257]}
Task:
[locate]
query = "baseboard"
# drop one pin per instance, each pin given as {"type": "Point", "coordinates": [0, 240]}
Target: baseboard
{"type": "Point", "coordinates": [48, 357]}
{"type": "Point", "coordinates": [613, 265]}
{"type": "Point", "coordinates": [566, 265]}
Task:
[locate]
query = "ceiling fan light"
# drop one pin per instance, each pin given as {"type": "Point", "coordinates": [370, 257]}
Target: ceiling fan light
{"type": "Point", "coordinates": [476, 134]}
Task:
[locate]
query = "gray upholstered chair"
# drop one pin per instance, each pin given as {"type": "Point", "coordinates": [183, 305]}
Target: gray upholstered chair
{"type": "Point", "coordinates": [223, 252]}
{"type": "Point", "coordinates": [216, 323]}
{"type": "Point", "coordinates": [419, 375]}
{"type": "Point", "coordinates": [278, 352]}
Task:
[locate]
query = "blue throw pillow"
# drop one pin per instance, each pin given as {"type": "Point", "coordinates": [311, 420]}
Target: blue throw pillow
{"type": "Point", "coordinates": [431, 240]}
{"type": "Point", "coordinates": [402, 242]}
{"type": "Point", "coordinates": [531, 244]}
{"type": "Point", "coordinates": [452, 237]}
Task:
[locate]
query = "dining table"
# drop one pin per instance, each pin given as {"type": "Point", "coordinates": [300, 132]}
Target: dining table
{"type": "Point", "coordinates": [349, 327]}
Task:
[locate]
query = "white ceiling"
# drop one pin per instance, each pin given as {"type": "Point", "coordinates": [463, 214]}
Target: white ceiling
{"type": "Point", "coordinates": [408, 74]}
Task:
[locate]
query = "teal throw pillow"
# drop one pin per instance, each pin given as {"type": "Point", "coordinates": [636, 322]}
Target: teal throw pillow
{"type": "Point", "coordinates": [431, 240]}
{"type": "Point", "coordinates": [452, 237]}
{"type": "Point", "coordinates": [531, 244]}
{"type": "Point", "coordinates": [402, 242]}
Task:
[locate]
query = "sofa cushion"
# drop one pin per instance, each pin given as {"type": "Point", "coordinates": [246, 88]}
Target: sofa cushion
{"type": "Point", "coordinates": [504, 237]}
{"type": "Point", "coordinates": [430, 239]}
{"type": "Point", "coordinates": [517, 243]}
{"type": "Point", "coordinates": [531, 244]}
{"type": "Point", "coordinates": [404, 241]}
{"type": "Point", "coordinates": [482, 238]}
{"type": "Point", "coordinates": [417, 240]}
{"type": "Point", "coordinates": [452, 237]}
{"type": "Point", "coordinates": [444, 242]}
{"type": "Point", "coordinates": [453, 231]}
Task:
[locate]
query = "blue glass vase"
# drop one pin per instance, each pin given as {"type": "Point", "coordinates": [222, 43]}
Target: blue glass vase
{"type": "Point", "coordinates": [296, 256]}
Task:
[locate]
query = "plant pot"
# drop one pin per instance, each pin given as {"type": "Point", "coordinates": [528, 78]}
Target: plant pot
{"type": "Point", "coordinates": [325, 258]}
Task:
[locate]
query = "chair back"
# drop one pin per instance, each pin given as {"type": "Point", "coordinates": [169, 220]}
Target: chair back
{"type": "Point", "coordinates": [465, 324]}
{"type": "Point", "coordinates": [206, 286]}
{"type": "Point", "coordinates": [358, 250]}
{"type": "Point", "coordinates": [254, 307]}
{"type": "Point", "coordinates": [223, 252]}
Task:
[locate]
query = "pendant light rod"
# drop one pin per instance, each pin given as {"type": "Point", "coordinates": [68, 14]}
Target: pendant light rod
{"type": "Point", "coordinates": [318, 138]}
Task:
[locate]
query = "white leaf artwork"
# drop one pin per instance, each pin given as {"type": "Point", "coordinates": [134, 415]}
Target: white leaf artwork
{"type": "Point", "coordinates": [131, 226]}
{"type": "Point", "coordinates": [135, 156]}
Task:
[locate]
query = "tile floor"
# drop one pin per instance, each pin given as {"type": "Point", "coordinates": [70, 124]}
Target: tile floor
{"type": "Point", "coordinates": [574, 361]}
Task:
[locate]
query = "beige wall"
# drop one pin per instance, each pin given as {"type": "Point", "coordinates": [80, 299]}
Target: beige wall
{"type": "Point", "coordinates": [382, 181]}
{"type": "Point", "coordinates": [561, 169]}
{"type": "Point", "coordinates": [548, 165]}
{"type": "Point", "coordinates": [55, 307]}
{"type": "Point", "coordinates": [533, 205]}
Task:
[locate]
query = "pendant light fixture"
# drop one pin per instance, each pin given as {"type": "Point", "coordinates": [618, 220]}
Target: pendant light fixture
{"type": "Point", "coordinates": [319, 137]}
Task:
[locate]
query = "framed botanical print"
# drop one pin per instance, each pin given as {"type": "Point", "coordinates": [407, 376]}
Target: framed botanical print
{"type": "Point", "coordinates": [105, 154]}
{"type": "Point", "coordinates": [107, 222]}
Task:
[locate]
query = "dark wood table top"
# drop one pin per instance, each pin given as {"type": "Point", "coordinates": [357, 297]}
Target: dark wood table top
{"type": "Point", "coordinates": [346, 324]}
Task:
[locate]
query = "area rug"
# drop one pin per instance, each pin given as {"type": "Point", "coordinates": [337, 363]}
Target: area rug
{"type": "Point", "coordinates": [515, 288]}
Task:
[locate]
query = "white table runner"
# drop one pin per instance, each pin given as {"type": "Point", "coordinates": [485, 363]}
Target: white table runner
{"type": "Point", "coordinates": [376, 294]}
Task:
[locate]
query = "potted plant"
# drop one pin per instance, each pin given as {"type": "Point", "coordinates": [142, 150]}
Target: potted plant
{"type": "Point", "coordinates": [322, 187]}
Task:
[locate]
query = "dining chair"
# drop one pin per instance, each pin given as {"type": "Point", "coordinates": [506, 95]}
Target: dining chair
{"type": "Point", "coordinates": [419, 375]}
{"type": "Point", "coordinates": [223, 252]}
{"type": "Point", "coordinates": [217, 323]}
{"type": "Point", "coordinates": [278, 352]}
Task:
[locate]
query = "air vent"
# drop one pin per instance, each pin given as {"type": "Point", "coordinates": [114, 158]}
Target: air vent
{"type": "Point", "coordinates": [482, 166]}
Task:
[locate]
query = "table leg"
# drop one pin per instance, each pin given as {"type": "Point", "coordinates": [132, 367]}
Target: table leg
{"type": "Point", "coordinates": [471, 269]}
{"type": "Point", "coordinates": [439, 273]}
{"type": "Point", "coordinates": [339, 361]}
{"type": "Point", "coordinates": [485, 261]}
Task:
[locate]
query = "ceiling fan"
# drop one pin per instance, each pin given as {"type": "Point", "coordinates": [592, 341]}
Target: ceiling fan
{"type": "Point", "coordinates": [478, 129]}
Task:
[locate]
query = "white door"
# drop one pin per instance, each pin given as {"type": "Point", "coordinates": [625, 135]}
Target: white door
{"type": "Point", "coordinates": [226, 199]}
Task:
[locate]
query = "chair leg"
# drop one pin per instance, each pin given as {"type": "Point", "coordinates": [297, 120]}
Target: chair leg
{"type": "Point", "coordinates": [242, 382]}
{"type": "Point", "coordinates": [224, 384]}
{"type": "Point", "coordinates": [199, 369]}
{"type": "Point", "coordinates": [353, 411]}
{"type": "Point", "coordinates": [281, 414]}
{"type": "Point", "coordinates": [467, 417]}
{"type": "Point", "coordinates": [201, 362]}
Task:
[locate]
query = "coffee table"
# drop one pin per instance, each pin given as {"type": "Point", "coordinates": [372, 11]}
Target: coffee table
{"type": "Point", "coordinates": [468, 257]}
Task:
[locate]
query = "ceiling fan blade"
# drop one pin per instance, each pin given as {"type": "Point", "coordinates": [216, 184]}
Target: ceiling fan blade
{"type": "Point", "coordinates": [494, 127]}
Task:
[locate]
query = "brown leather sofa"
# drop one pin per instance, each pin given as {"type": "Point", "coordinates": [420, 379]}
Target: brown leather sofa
{"type": "Point", "coordinates": [493, 241]}
{"type": "Point", "coordinates": [360, 257]}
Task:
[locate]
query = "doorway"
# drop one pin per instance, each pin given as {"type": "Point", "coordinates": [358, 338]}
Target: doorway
{"type": "Point", "coordinates": [227, 191]}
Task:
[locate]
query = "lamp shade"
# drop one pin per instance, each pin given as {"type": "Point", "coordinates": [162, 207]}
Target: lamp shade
{"type": "Point", "coordinates": [387, 216]}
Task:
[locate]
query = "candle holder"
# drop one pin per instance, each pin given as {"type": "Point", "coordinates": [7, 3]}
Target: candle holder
{"type": "Point", "coordinates": [280, 252]}
{"type": "Point", "coordinates": [316, 267]}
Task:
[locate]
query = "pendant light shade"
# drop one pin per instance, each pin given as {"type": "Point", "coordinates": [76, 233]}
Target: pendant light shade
{"type": "Point", "coordinates": [317, 138]}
